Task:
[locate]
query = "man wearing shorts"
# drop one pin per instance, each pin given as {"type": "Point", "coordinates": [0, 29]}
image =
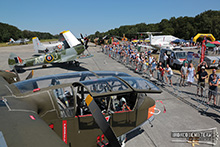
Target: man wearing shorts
{"type": "Point", "coordinates": [169, 72]}
{"type": "Point", "coordinates": [201, 80]}
{"type": "Point", "coordinates": [183, 70]}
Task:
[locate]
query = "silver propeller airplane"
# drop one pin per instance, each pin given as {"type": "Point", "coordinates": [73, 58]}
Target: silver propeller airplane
{"type": "Point", "coordinates": [19, 41]}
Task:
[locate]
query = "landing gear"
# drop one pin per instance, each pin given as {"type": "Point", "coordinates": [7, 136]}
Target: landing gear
{"type": "Point", "coordinates": [44, 66]}
{"type": "Point", "coordinates": [77, 63]}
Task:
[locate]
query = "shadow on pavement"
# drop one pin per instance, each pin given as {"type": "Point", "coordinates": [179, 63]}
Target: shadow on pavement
{"type": "Point", "coordinates": [134, 133]}
{"type": "Point", "coordinates": [55, 65]}
{"type": "Point", "coordinates": [214, 116]}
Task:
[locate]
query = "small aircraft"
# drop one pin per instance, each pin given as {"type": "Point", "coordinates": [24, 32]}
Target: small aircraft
{"type": "Point", "coordinates": [40, 47]}
{"type": "Point", "coordinates": [159, 41]}
{"type": "Point", "coordinates": [19, 41]}
{"type": "Point", "coordinates": [66, 40]}
{"type": "Point", "coordinates": [68, 55]}
{"type": "Point", "coordinates": [73, 109]}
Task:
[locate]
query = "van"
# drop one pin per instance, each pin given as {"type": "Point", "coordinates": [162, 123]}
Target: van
{"type": "Point", "coordinates": [176, 57]}
{"type": "Point", "coordinates": [212, 61]}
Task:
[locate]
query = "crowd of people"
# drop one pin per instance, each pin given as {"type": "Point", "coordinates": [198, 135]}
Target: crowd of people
{"type": "Point", "coordinates": [144, 61]}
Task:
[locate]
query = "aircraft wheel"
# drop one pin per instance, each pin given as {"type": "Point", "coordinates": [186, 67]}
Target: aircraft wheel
{"type": "Point", "coordinates": [77, 64]}
{"type": "Point", "coordinates": [44, 66]}
{"type": "Point", "coordinates": [70, 62]}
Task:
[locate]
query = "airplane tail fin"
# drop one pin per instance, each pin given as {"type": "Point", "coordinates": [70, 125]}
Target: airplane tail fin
{"type": "Point", "coordinates": [14, 60]}
{"type": "Point", "coordinates": [37, 44]}
{"type": "Point", "coordinates": [11, 40]}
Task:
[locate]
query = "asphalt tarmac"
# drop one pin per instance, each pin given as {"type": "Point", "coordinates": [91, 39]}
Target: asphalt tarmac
{"type": "Point", "coordinates": [180, 114]}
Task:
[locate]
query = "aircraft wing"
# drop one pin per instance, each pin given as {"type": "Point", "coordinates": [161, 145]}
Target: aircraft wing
{"type": "Point", "coordinates": [25, 128]}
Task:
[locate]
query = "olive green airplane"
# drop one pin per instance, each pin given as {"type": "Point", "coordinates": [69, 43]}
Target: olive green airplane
{"type": "Point", "coordinates": [68, 55]}
{"type": "Point", "coordinates": [73, 109]}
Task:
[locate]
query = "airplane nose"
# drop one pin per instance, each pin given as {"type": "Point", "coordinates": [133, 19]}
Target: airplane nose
{"type": "Point", "coordinates": [151, 111]}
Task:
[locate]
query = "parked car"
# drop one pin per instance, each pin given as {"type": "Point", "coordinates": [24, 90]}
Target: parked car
{"type": "Point", "coordinates": [212, 61]}
{"type": "Point", "coordinates": [175, 57]}
{"type": "Point", "coordinates": [218, 61]}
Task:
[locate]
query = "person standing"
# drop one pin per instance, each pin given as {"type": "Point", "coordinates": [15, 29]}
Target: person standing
{"type": "Point", "coordinates": [160, 71]}
{"type": "Point", "coordinates": [153, 67]}
{"type": "Point", "coordinates": [211, 76]}
{"type": "Point", "coordinates": [202, 64]}
{"type": "Point", "coordinates": [150, 59]}
{"type": "Point", "coordinates": [165, 57]}
{"type": "Point", "coordinates": [169, 72]}
{"type": "Point", "coordinates": [213, 89]}
{"type": "Point", "coordinates": [191, 74]}
{"type": "Point", "coordinates": [183, 71]}
{"type": "Point", "coordinates": [201, 80]}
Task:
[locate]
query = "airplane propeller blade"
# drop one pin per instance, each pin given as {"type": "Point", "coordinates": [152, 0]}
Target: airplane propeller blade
{"type": "Point", "coordinates": [81, 35]}
{"type": "Point", "coordinates": [81, 40]}
{"type": "Point", "coordinates": [101, 121]}
{"type": "Point", "coordinates": [85, 43]}
{"type": "Point", "coordinates": [16, 72]}
{"type": "Point", "coordinates": [30, 75]}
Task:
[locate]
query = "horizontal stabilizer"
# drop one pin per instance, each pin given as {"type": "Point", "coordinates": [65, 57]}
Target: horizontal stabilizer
{"type": "Point", "coordinates": [14, 60]}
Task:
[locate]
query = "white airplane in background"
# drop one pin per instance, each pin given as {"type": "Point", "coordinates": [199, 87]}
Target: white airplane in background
{"type": "Point", "coordinates": [159, 41]}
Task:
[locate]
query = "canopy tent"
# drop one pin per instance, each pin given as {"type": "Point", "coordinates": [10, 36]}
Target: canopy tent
{"type": "Point", "coordinates": [215, 42]}
{"type": "Point", "coordinates": [210, 45]}
{"type": "Point", "coordinates": [179, 41]}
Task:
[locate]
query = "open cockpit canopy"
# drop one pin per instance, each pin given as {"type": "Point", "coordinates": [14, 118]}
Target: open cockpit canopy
{"type": "Point", "coordinates": [114, 85]}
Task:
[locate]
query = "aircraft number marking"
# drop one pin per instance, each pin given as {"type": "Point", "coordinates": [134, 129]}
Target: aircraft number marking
{"type": "Point", "coordinates": [39, 60]}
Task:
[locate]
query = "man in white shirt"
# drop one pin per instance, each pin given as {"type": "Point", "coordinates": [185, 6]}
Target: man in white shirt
{"type": "Point", "coordinates": [165, 57]}
{"type": "Point", "coordinates": [169, 72]}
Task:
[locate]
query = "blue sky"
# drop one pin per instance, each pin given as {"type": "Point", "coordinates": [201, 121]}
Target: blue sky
{"type": "Point", "coordinates": [87, 17]}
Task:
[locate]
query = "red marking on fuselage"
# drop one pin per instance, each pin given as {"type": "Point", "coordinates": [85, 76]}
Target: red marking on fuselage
{"type": "Point", "coordinates": [65, 131]}
{"type": "Point", "coordinates": [32, 117]}
{"type": "Point", "coordinates": [19, 59]}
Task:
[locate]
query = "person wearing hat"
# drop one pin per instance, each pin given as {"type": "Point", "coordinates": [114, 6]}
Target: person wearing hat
{"type": "Point", "coordinates": [201, 80]}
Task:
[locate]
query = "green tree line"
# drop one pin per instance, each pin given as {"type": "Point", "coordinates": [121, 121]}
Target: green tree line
{"type": "Point", "coordinates": [181, 27]}
{"type": "Point", "coordinates": [8, 31]}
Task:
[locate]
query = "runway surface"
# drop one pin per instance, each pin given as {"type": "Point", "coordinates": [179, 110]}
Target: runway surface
{"type": "Point", "coordinates": [179, 114]}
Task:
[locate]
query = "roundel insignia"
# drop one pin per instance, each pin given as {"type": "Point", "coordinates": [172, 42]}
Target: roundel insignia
{"type": "Point", "coordinates": [59, 46]}
{"type": "Point", "coordinates": [49, 58]}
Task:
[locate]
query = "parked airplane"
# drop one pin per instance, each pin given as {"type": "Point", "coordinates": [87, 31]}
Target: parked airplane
{"type": "Point", "coordinates": [59, 111]}
{"type": "Point", "coordinates": [68, 55]}
{"type": "Point", "coordinates": [66, 40]}
{"type": "Point", "coordinates": [19, 41]}
{"type": "Point", "coordinates": [40, 47]}
{"type": "Point", "coordinates": [159, 41]}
